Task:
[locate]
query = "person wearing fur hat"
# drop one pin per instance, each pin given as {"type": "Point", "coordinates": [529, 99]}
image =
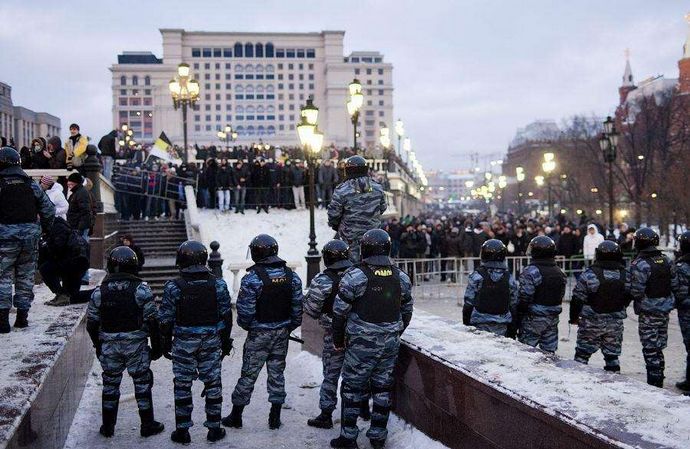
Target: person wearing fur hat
{"type": "Point", "coordinates": [56, 155]}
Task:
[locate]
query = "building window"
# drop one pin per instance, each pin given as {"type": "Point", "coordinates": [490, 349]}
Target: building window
{"type": "Point", "coordinates": [228, 86]}
{"type": "Point", "coordinates": [228, 117]}
{"type": "Point", "coordinates": [290, 53]}
{"type": "Point", "coordinates": [239, 76]}
{"type": "Point", "coordinates": [259, 50]}
{"type": "Point", "coordinates": [135, 80]}
{"type": "Point", "coordinates": [248, 50]}
{"type": "Point", "coordinates": [380, 102]}
{"type": "Point", "coordinates": [123, 101]}
{"type": "Point", "coordinates": [227, 53]}
{"type": "Point", "coordinates": [196, 66]}
{"type": "Point", "coordinates": [197, 128]}
{"type": "Point", "coordinates": [269, 50]}
{"type": "Point", "coordinates": [354, 59]}
{"type": "Point", "coordinates": [208, 127]}
{"type": "Point", "coordinates": [238, 50]}
{"type": "Point", "coordinates": [280, 53]}
{"type": "Point", "coordinates": [239, 97]}
{"type": "Point", "coordinates": [380, 71]}
{"type": "Point", "coordinates": [206, 52]}
{"type": "Point", "coordinates": [380, 113]}
{"type": "Point", "coordinates": [380, 91]}
{"type": "Point", "coordinates": [123, 91]}
{"type": "Point", "coordinates": [369, 113]}
{"type": "Point", "coordinates": [207, 66]}
{"type": "Point", "coordinates": [300, 53]}
{"type": "Point", "coordinates": [356, 71]}
{"type": "Point", "coordinates": [196, 52]}
{"type": "Point", "coordinates": [217, 52]}
{"type": "Point", "coordinates": [147, 91]}
{"type": "Point", "coordinates": [208, 117]}
{"type": "Point", "coordinates": [311, 53]}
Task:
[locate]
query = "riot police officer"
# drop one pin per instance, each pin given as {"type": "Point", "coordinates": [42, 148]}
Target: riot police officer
{"type": "Point", "coordinates": [491, 296]}
{"type": "Point", "coordinates": [357, 205]}
{"type": "Point", "coordinates": [21, 201]}
{"type": "Point", "coordinates": [373, 307]}
{"type": "Point", "coordinates": [682, 295]}
{"type": "Point", "coordinates": [121, 317]}
{"type": "Point", "coordinates": [196, 310]}
{"type": "Point", "coordinates": [318, 304]}
{"type": "Point", "coordinates": [599, 304]}
{"type": "Point", "coordinates": [541, 291]}
{"type": "Point", "coordinates": [269, 307]}
{"type": "Point", "coordinates": [652, 278]}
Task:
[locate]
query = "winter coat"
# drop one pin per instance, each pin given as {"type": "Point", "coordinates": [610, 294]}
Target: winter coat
{"type": "Point", "coordinates": [66, 245]}
{"type": "Point", "coordinates": [328, 176]}
{"type": "Point", "coordinates": [590, 242]}
{"type": "Point", "coordinates": [79, 211]}
{"type": "Point", "coordinates": [297, 176]}
{"type": "Point", "coordinates": [107, 144]}
{"type": "Point", "coordinates": [224, 178]}
{"type": "Point", "coordinates": [58, 198]}
{"type": "Point", "coordinates": [240, 175]}
{"type": "Point", "coordinates": [452, 245]}
{"type": "Point", "coordinates": [75, 150]}
{"type": "Point", "coordinates": [567, 245]}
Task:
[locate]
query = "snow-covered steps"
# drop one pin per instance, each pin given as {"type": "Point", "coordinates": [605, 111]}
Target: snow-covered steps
{"type": "Point", "coordinates": [43, 370]}
{"type": "Point", "coordinates": [472, 389]}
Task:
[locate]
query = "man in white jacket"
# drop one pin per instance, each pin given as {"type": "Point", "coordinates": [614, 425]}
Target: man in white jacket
{"type": "Point", "coordinates": [591, 241]}
{"type": "Point", "coordinates": [54, 192]}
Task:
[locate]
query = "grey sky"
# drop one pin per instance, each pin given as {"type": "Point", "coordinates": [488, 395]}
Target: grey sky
{"type": "Point", "coordinates": [467, 73]}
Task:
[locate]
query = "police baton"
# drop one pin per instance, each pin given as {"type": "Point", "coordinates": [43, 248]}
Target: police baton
{"type": "Point", "coordinates": [296, 339]}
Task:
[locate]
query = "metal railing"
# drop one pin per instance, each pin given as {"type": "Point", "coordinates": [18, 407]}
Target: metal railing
{"type": "Point", "coordinates": [134, 181]}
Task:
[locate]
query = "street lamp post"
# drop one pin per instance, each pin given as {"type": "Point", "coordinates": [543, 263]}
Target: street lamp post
{"type": "Point", "coordinates": [226, 136]}
{"type": "Point", "coordinates": [548, 166]}
{"type": "Point", "coordinates": [354, 104]}
{"type": "Point", "coordinates": [608, 143]}
{"type": "Point", "coordinates": [312, 141]}
{"type": "Point", "coordinates": [502, 184]}
{"type": "Point", "coordinates": [185, 92]}
{"type": "Point", "coordinates": [520, 176]}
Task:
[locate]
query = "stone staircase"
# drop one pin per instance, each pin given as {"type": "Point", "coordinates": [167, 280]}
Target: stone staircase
{"type": "Point", "coordinates": [159, 241]}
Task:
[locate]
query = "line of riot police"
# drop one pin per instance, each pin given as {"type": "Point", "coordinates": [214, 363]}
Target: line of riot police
{"type": "Point", "coordinates": [530, 308]}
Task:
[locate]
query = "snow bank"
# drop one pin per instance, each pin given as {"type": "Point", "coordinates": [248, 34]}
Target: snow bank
{"type": "Point", "coordinates": [29, 354]}
{"type": "Point", "coordinates": [289, 227]}
{"type": "Point", "coordinates": [609, 405]}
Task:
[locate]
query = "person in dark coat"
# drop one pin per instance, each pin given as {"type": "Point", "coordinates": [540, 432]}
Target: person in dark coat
{"type": "Point", "coordinates": [40, 155]}
{"type": "Point", "coordinates": [64, 259]}
{"type": "Point", "coordinates": [127, 240]}
{"type": "Point", "coordinates": [240, 176]}
{"type": "Point", "coordinates": [451, 246]}
{"type": "Point", "coordinates": [261, 182]}
{"type": "Point", "coordinates": [108, 154]}
{"type": "Point", "coordinates": [79, 212]}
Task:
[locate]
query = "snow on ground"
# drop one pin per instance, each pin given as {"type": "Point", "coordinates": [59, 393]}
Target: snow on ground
{"type": "Point", "coordinates": [290, 228]}
{"type": "Point", "coordinates": [632, 362]}
{"type": "Point", "coordinates": [28, 354]}
{"type": "Point", "coordinates": [303, 377]}
{"type": "Point", "coordinates": [585, 396]}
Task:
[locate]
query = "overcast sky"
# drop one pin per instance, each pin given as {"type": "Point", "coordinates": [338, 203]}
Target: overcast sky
{"type": "Point", "coordinates": [466, 73]}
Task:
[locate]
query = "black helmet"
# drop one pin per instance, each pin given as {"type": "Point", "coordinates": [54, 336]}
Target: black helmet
{"type": "Point", "coordinates": [646, 238]}
{"type": "Point", "coordinates": [336, 255]}
{"type": "Point", "coordinates": [123, 259]}
{"type": "Point", "coordinates": [264, 249]}
{"type": "Point", "coordinates": [355, 167]}
{"type": "Point", "coordinates": [609, 251]}
{"type": "Point", "coordinates": [9, 157]}
{"type": "Point", "coordinates": [192, 257]}
{"type": "Point", "coordinates": [376, 247]}
{"type": "Point", "coordinates": [542, 247]}
{"type": "Point", "coordinates": [493, 250]}
{"type": "Point", "coordinates": [684, 243]}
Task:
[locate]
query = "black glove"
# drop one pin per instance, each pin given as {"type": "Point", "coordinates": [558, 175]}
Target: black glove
{"type": "Point", "coordinates": [225, 342]}
{"type": "Point", "coordinates": [156, 343]}
{"type": "Point", "coordinates": [92, 328]}
{"type": "Point", "coordinates": [466, 314]}
{"type": "Point", "coordinates": [338, 328]}
{"type": "Point", "coordinates": [514, 325]}
{"type": "Point", "coordinates": [166, 339]}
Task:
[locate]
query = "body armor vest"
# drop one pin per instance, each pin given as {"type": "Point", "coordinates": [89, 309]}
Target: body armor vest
{"type": "Point", "coordinates": [382, 298]}
{"type": "Point", "coordinates": [17, 201]}
{"type": "Point", "coordinates": [552, 288]}
{"type": "Point", "coordinates": [119, 309]}
{"type": "Point", "coordinates": [494, 297]}
{"type": "Point", "coordinates": [275, 302]}
{"type": "Point", "coordinates": [198, 303]}
{"type": "Point", "coordinates": [659, 281]}
{"type": "Point", "coordinates": [610, 296]}
{"type": "Point", "coordinates": [335, 277]}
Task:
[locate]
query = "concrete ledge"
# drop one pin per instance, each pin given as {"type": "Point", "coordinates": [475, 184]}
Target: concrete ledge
{"type": "Point", "coordinates": [468, 388]}
{"type": "Point", "coordinates": [43, 371]}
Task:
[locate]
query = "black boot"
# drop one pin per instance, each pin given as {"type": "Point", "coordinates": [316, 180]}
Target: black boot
{"type": "Point", "coordinates": [234, 419]}
{"type": "Point", "coordinates": [613, 368]}
{"type": "Point", "coordinates": [149, 426]}
{"type": "Point", "coordinates": [22, 321]}
{"type": "Point", "coordinates": [344, 443]}
{"type": "Point", "coordinates": [378, 444]}
{"type": "Point", "coordinates": [215, 434]}
{"type": "Point", "coordinates": [4, 321]}
{"type": "Point", "coordinates": [274, 416]}
{"type": "Point", "coordinates": [323, 421]}
{"type": "Point", "coordinates": [685, 385]}
{"type": "Point", "coordinates": [364, 411]}
{"type": "Point", "coordinates": [109, 421]}
{"type": "Point", "coordinates": [655, 379]}
{"type": "Point", "coordinates": [181, 436]}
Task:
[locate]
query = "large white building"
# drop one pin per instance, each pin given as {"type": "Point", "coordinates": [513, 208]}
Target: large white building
{"type": "Point", "coordinates": [255, 82]}
{"type": "Point", "coordinates": [22, 124]}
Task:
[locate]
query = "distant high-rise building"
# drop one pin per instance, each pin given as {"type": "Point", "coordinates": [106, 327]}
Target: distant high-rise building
{"type": "Point", "coordinates": [255, 82]}
{"type": "Point", "coordinates": [22, 124]}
